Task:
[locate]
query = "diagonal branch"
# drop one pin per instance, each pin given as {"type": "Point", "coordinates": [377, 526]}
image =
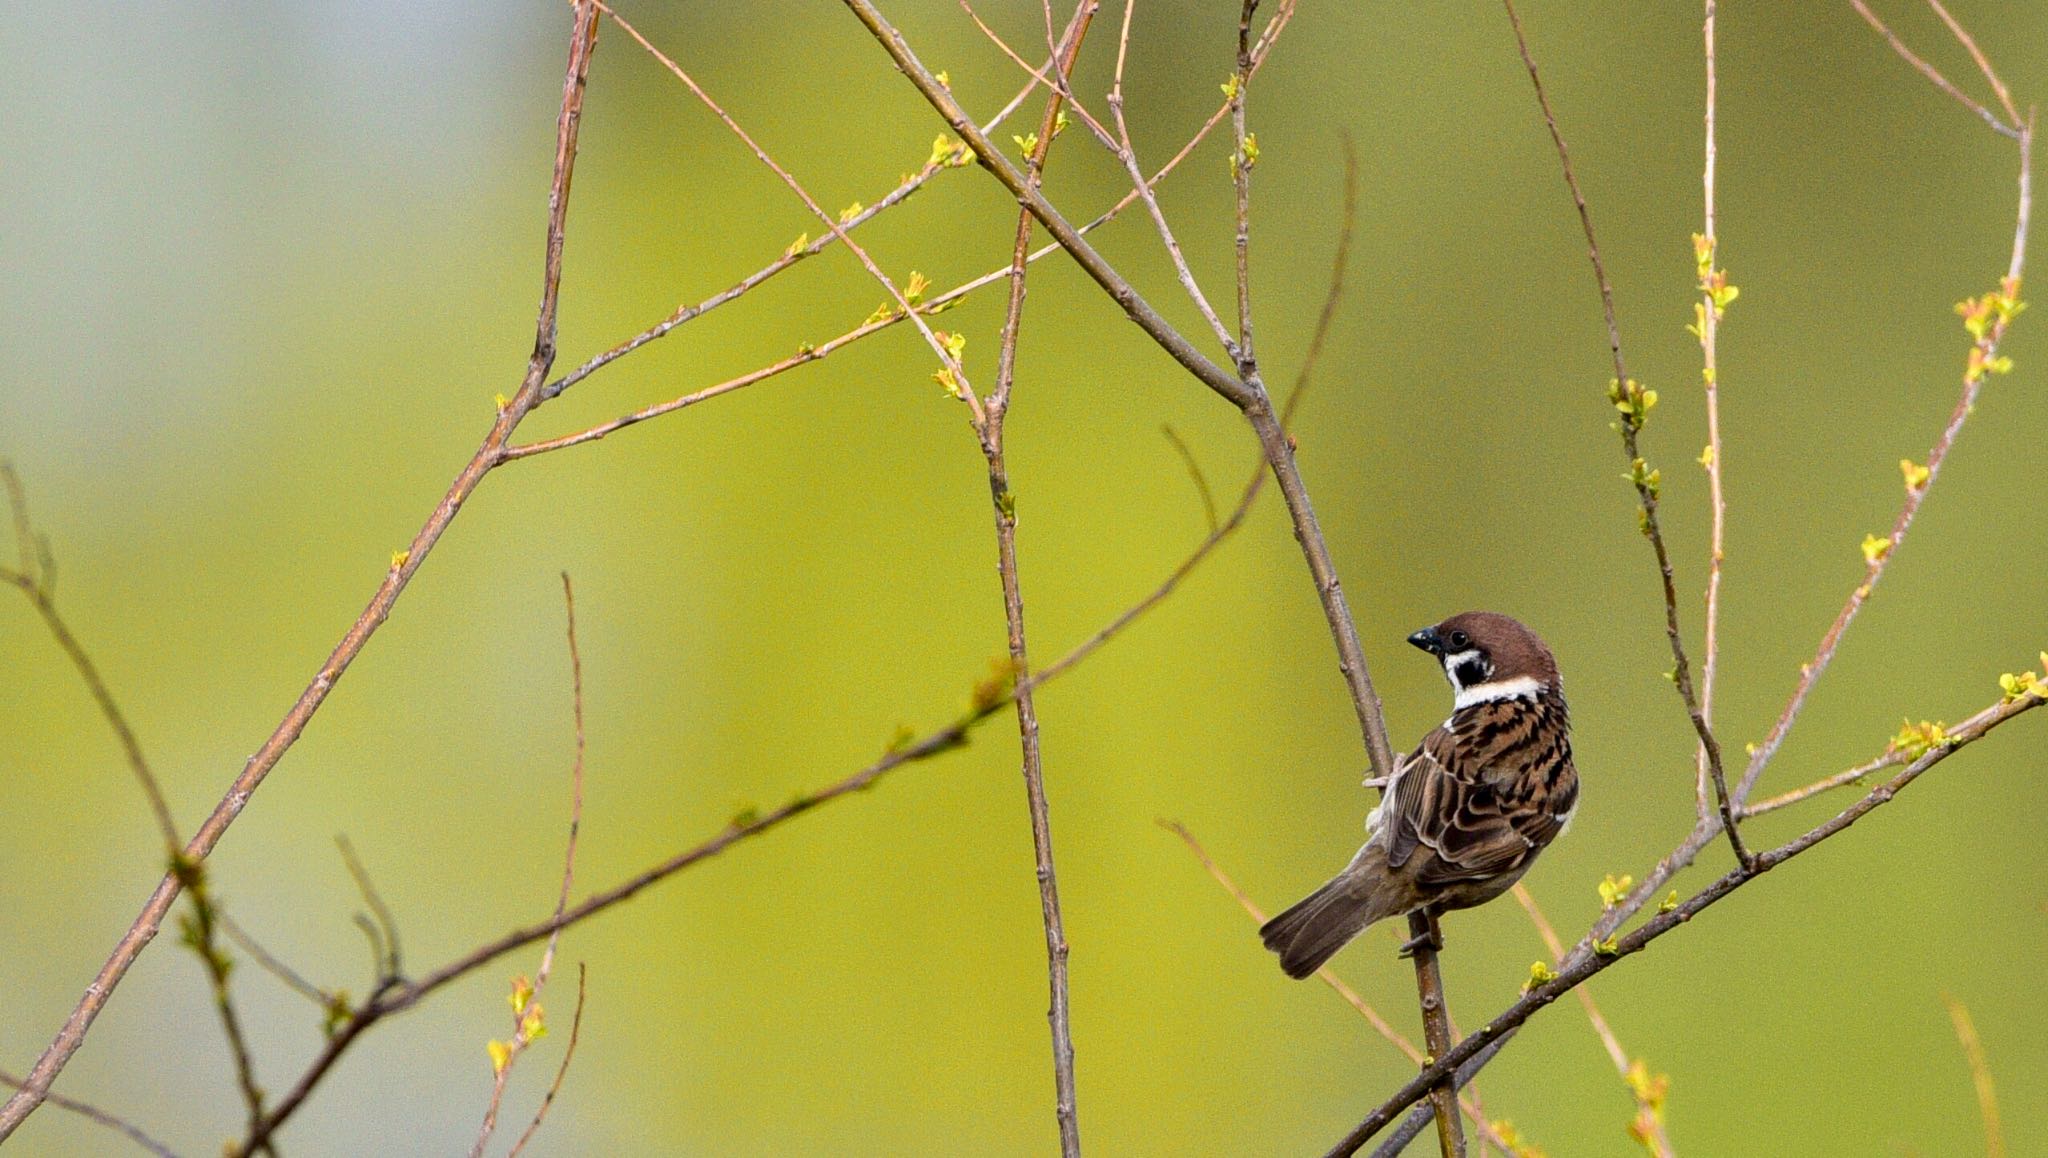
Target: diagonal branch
{"type": "Point", "coordinates": [93, 1113]}
{"type": "Point", "coordinates": [1579, 968]}
{"type": "Point", "coordinates": [1247, 393]}
{"type": "Point", "coordinates": [405, 565]}
{"type": "Point", "coordinates": [1987, 330]}
{"type": "Point", "coordinates": [33, 576]}
{"type": "Point", "coordinates": [838, 228]}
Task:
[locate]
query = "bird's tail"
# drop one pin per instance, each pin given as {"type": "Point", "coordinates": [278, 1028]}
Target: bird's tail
{"type": "Point", "coordinates": [1326, 920]}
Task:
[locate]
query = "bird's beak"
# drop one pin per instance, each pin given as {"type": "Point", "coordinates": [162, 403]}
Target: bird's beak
{"type": "Point", "coordinates": [1427, 640]}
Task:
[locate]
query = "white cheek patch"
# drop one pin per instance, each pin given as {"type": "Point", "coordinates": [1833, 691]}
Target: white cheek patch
{"type": "Point", "coordinates": [1521, 687]}
{"type": "Point", "coordinates": [1452, 661]}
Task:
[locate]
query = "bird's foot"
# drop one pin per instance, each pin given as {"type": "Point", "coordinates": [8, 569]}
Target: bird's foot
{"type": "Point", "coordinates": [1431, 938]}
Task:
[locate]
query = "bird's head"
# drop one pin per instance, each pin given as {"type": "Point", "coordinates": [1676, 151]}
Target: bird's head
{"type": "Point", "coordinates": [1489, 656]}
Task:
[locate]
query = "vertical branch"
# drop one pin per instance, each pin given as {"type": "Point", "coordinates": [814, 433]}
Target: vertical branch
{"type": "Point", "coordinates": [404, 566]}
{"type": "Point", "coordinates": [200, 932]}
{"type": "Point", "coordinates": [1634, 403]}
{"type": "Point", "coordinates": [1436, 1029]}
{"type": "Point", "coordinates": [1714, 296]}
{"type": "Point", "coordinates": [1059, 1012]}
{"type": "Point", "coordinates": [1241, 162]}
{"type": "Point", "coordinates": [1980, 1076]}
{"type": "Point", "coordinates": [528, 1020]}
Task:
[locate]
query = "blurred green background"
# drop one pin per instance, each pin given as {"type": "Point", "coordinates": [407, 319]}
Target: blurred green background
{"type": "Point", "coordinates": [267, 265]}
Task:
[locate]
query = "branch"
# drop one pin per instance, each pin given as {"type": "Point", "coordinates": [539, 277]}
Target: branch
{"type": "Point", "coordinates": [1329, 977]}
{"type": "Point", "coordinates": [405, 565]}
{"type": "Point", "coordinates": [93, 1113]}
{"type": "Point", "coordinates": [1986, 318]}
{"type": "Point", "coordinates": [1715, 294]}
{"type": "Point", "coordinates": [1059, 1013]}
{"type": "Point", "coordinates": [1980, 1074]}
{"type": "Point", "coordinates": [1649, 1122]}
{"type": "Point", "coordinates": [1581, 967]}
{"type": "Point", "coordinates": [528, 1021]}
{"type": "Point", "coordinates": [561, 1071]}
{"type": "Point", "coordinates": [1634, 403]}
{"type": "Point", "coordinates": [2013, 130]}
{"type": "Point", "coordinates": [36, 579]}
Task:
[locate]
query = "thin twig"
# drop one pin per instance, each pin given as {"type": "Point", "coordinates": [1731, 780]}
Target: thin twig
{"type": "Point", "coordinates": [1934, 74]}
{"type": "Point", "coordinates": [1980, 1074]}
{"type": "Point", "coordinates": [1649, 1118]}
{"type": "Point", "coordinates": [1842, 779]}
{"type": "Point", "coordinates": [394, 995]}
{"type": "Point", "coordinates": [1578, 969]}
{"type": "Point", "coordinates": [1969, 43]}
{"type": "Point", "coordinates": [1201, 481]}
{"type": "Point", "coordinates": [269, 962]}
{"type": "Point", "coordinates": [93, 1113]}
{"type": "Point", "coordinates": [384, 932]}
{"type": "Point", "coordinates": [1984, 353]}
{"type": "Point", "coordinates": [36, 582]}
{"type": "Point", "coordinates": [1127, 153]}
{"type": "Point", "coordinates": [1059, 1012]}
{"type": "Point", "coordinates": [527, 1020]}
{"type": "Point", "coordinates": [1328, 976]}
{"type": "Point", "coordinates": [405, 565]}
{"type": "Point", "coordinates": [1646, 492]}
{"type": "Point", "coordinates": [1242, 161]}
{"type": "Point", "coordinates": [1712, 278]}
{"type": "Point", "coordinates": [830, 220]}
{"type": "Point", "coordinates": [561, 1071]}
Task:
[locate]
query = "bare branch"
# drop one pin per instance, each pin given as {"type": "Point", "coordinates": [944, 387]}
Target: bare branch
{"type": "Point", "coordinates": [1714, 296]}
{"type": "Point", "coordinates": [36, 580]}
{"type": "Point", "coordinates": [830, 220]}
{"type": "Point", "coordinates": [1987, 331]}
{"type": "Point", "coordinates": [1980, 1069]}
{"type": "Point", "coordinates": [1329, 977]}
{"type": "Point", "coordinates": [527, 1019]}
{"type": "Point", "coordinates": [405, 566]}
{"type": "Point", "coordinates": [1579, 967]}
{"type": "Point", "coordinates": [93, 1113]}
{"type": "Point", "coordinates": [1635, 402]}
{"type": "Point", "coordinates": [1934, 74]}
{"type": "Point", "coordinates": [561, 1071]}
{"type": "Point", "coordinates": [1059, 1014]}
{"type": "Point", "coordinates": [1127, 153]}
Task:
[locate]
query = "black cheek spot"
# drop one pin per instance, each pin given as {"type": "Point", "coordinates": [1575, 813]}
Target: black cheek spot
{"type": "Point", "coordinates": [1471, 673]}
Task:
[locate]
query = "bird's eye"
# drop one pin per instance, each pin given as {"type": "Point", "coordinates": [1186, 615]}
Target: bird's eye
{"type": "Point", "coordinates": [1460, 641]}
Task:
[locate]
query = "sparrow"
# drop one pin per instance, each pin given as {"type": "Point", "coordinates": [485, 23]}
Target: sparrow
{"type": "Point", "coordinates": [1463, 816]}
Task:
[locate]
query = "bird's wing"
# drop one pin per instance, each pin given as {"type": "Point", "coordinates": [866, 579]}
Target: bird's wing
{"type": "Point", "coordinates": [1483, 807]}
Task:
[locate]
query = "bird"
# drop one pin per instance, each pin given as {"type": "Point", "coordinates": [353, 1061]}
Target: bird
{"type": "Point", "coordinates": [1463, 816]}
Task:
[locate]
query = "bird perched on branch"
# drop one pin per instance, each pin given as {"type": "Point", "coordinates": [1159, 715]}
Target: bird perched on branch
{"type": "Point", "coordinates": [1463, 816]}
